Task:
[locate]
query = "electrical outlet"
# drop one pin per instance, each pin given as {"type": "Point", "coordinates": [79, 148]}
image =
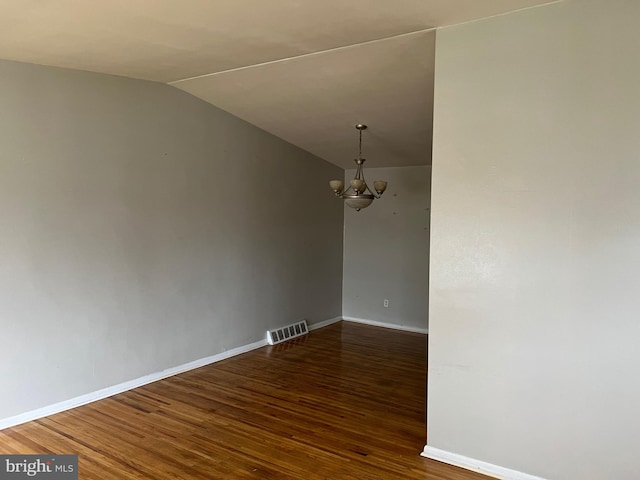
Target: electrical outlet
{"type": "Point", "coordinates": [386, 303]}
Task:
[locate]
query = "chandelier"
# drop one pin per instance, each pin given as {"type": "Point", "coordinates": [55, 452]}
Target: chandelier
{"type": "Point", "coordinates": [358, 195]}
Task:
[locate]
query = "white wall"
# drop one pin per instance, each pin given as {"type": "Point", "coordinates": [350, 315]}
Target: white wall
{"type": "Point", "coordinates": [143, 228]}
{"type": "Point", "coordinates": [386, 250]}
{"type": "Point", "coordinates": [535, 264]}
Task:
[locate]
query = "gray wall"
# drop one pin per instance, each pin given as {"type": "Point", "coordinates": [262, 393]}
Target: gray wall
{"type": "Point", "coordinates": [386, 250]}
{"type": "Point", "coordinates": [143, 228]}
{"type": "Point", "coordinates": [535, 265]}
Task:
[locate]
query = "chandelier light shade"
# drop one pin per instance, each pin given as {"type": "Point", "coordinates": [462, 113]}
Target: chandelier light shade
{"type": "Point", "coordinates": [358, 195]}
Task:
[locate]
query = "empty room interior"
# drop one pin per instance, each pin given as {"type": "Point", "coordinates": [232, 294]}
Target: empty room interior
{"type": "Point", "coordinates": [202, 278]}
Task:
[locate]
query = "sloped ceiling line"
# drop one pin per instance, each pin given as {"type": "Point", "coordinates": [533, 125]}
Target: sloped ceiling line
{"type": "Point", "coordinates": [304, 71]}
{"type": "Point", "coordinates": [295, 57]}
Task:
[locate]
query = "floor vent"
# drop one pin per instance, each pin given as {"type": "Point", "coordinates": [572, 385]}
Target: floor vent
{"type": "Point", "coordinates": [283, 334]}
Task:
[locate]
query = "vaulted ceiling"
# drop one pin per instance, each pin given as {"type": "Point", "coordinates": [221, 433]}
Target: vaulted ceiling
{"type": "Point", "coordinates": [305, 71]}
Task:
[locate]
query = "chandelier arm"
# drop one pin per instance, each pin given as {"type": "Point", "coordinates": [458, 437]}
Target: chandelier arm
{"type": "Point", "coordinates": [370, 192]}
{"type": "Point", "coordinates": [366, 187]}
{"type": "Point", "coordinates": [348, 191]}
{"type": "Point", "coordinates": [361, 194]}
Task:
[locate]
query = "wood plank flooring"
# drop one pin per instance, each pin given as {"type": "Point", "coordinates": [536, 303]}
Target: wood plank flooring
{"type": "Point", "coordinates": [345, 402]}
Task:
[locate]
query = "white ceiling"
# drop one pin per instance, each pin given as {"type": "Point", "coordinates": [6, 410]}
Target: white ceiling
{"type": "Point", "coordinates": [305, 71]}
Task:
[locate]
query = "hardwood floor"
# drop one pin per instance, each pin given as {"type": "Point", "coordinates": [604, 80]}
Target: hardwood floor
{"type": "Point", "coordinates": [345, 402]}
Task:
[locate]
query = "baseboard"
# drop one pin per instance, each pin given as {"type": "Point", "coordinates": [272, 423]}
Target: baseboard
{"type": "Point", "coordinates": [154, 377]}
{"type": "Point", "coordinates": [123, 387]}
{"type": "Point", "coordinates": [325, 323]}
{"type": "Point", "coordinates": [138, 382]}
{"type": "Point", "coordinates": [474, 465]}
{"type": "Point", "coordinates": [386, 325]}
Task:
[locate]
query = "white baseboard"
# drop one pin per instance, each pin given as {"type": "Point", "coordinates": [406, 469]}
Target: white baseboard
{"type": "Point", "coordinates": [123, 387]}
{"type": "Point", "coordinates": [325, 323]}
{"type": "Point", "coordinates": [154, 377]}
{"type": "Point", "coordinates": [475, 465]}
{"type": "Point", "coordinates": [386, 325]}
